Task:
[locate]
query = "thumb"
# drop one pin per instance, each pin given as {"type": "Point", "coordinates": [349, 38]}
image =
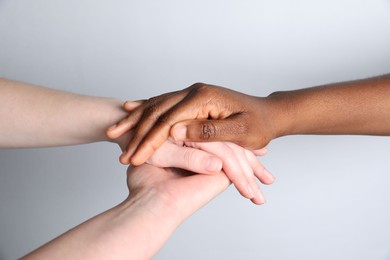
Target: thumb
{"type": "Point", "coordinates": [188, 158]}
{"type": "Point", "coordinates": [229, 129]}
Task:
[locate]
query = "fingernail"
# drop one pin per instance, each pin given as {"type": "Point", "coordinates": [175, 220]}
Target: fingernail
{"type": "Point", "coordinates": [270, 176]}
{"type": "Point", "coordinates": [124, 159]}
{"type": "Point", "coordinates": [251, 193]}
{"type": "Point", "coordinates": [261, 197]}
{"type": "Point", "coordinates": [213, 164]}
{"type": "Point", "coordinates": [129, 104]}
{"type": "Point", "coordinates": [179, 132]}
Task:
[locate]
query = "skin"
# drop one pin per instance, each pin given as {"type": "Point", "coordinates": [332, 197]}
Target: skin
{"type": "Point", "coordinates": [139, 226]}
{"type": "Point", "coordinates": [240, 166]}
{"type": "Point", "coordinates": [62, 118]}
{"type": "Point", "coordinates": [34, 116]}
{"type": "Point", "coordinates": [211, 113]}
{"type": "Point", "coordinates": [244, 176]}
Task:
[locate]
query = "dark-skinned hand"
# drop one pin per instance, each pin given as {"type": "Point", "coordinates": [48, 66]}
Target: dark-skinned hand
{"type": "Point", "coordinates": [198, 113]}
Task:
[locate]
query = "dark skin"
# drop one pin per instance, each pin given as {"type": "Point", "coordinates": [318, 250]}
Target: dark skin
{"type": "Point", "coordinates": [204, 112]}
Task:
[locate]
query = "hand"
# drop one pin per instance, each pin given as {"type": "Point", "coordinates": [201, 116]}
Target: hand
{"type": "Point", "coordinates": [179, 156]}
{"type": "Point", "coordinates": [175, 187]}
{"type": "Point", "coordinates": [240, 165]}
{"type": "Point", "coordinates": [165, 197]}
{"type": "Point", "coordinates": [205, 113]}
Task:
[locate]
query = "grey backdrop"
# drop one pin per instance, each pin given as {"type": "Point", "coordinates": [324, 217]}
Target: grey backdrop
{"type": "Point", "coordinates": [331, 199]}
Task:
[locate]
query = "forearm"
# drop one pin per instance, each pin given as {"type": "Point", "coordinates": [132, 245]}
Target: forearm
{"type": "Point", "coordinates": [135, 229]}
{"type": "Point", "coordinates": [33, 116]}
{"type": "Point", "coordinates": [356, 107]}
{"type": "Point", "coordinates": [138, 227]}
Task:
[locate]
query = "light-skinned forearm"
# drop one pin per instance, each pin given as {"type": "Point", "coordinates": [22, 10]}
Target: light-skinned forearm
{"type": "Point", "coordinates": [135, 229]}
{"type": "Point", "coordinates": [355, 107]}
{"type": "Point", "coordinates": [160, 200]}
{"type": "Point", "coordinates": [34, 116]}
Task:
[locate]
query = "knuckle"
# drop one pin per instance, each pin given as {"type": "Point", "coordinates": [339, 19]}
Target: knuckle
{"type": "Point", "coordinates": [198, 85]}
{"type": "Point", "coordinates": [189, 157]}
{"type": "Point", "coordinates": [152, 106]}
{"type": "Point", "coordinates": [203, 88]}
{"type": "Point", "coordinates": [152, 100]}
{"type": "Point", "coordinates": [163, 119]}
{"type": "Point", "coordinates": [155, 110]}
{"type": "Point", "coordinates": [208, 131]}
{"type": "Point", "coordinates": [152, 109]}
{"type": "Point", "coordinates": [237, 180]}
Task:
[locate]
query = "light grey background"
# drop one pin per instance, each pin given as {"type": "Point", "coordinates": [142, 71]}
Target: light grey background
{"type": "Point", "coordinates": [331, 199]}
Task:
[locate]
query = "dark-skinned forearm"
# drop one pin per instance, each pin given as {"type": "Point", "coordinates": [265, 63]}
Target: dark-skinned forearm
{"type": "Point", "coordinates": [357, 107]}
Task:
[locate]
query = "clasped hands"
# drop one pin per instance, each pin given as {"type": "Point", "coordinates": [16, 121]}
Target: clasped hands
{"type": "Point", "coordinates": [202, 129]}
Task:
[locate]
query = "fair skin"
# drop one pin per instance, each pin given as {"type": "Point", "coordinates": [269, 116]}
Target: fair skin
{"type": "Point", "coordinates": [139, 226]}
{"type": "Point", "coordinates": [210, 113]}
{"type": "Point", "coordinates": [48, 117]}
{"type": "Point", "coordinates": [34, 116]}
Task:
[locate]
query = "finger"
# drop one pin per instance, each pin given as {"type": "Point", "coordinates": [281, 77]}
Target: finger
{"type": "Point", "coordinates": [231, 129]}
{"type": "Point", "coordinates": [126, 124]}
{"type": "Point", "coordinates": [260, 152]}
{"type": "Point", "coordinates": [140, 148]}
{"type": "Point", "coordinates": [119, 129]}
{"type": "Point", "coordinates": [139, 110]}
{"type": "Point", "coordinates": [187, 105]}
{"type": "Point", "coordinates": [259, 170]}
{"type": "Point", "coordinates": [131, 105]}
{"type": "Point", "coordinates": [152, 129]}
{"type": "Point", "coordinates": [232, 166]}
{"type": "Point", "coordinates": [248, 171]}
{"type": "Point", "coordinates": [259, 199]}
{"type": "Point", "coordinates": [195, 160]}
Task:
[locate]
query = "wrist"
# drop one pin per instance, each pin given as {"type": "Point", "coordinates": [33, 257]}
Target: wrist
{"type": "Point", "coordinates": [113, 114]}
{"type": "Point", "coordinates": [279, 109]}
{"type": "Point", "coordinates": [149, 221]}
{"type": "Point", "coordinates": [154, 202]}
